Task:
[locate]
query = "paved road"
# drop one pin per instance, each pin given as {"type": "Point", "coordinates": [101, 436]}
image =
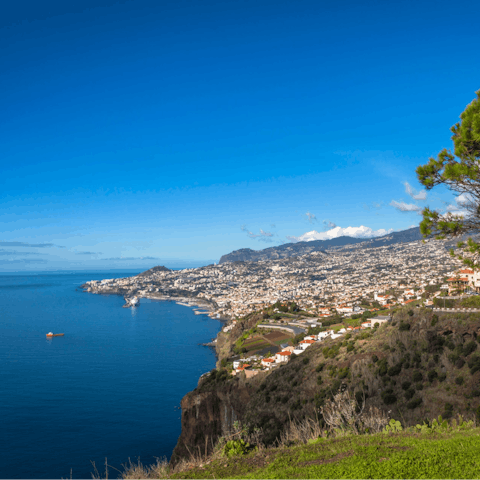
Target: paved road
{"type": "Point", "coordinates": [279, 326]}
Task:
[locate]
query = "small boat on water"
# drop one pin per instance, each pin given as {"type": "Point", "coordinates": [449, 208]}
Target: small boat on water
{"type": "Point", "coordinates": [50, 334]}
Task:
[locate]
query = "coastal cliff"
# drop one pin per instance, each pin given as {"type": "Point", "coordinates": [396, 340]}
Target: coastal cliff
{"type": "Point", "coordinates": [419, 366]}
{"type": "Point", "coordinates": [208, 413]}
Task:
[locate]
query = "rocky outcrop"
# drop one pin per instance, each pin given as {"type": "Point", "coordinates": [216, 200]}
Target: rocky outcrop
{"type": "Point", "coordinates": [153, 270]}
{"type": "Point", "coordinates": [209, 413]}
{"type": "Point", "coordinates": [302, 248]}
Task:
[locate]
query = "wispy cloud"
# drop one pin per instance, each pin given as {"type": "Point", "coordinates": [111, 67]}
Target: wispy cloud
{"type": "Point", "coordinates": [22, 260]}
{"type": "Point", "coordinates": [88, 253]}
{"type": "Point", "coordinates": [31, 245]}
{"type": "Point", "coordinates": [311, 217]}
{"type": "Point", "coordinates": [421, 195]}
{"type": "Point", "coordinates": [15, 253]}
{"type": "Point", "coordinates": [129, 258]}
{"type": "Point", "coordinates": [377, 205]}
{"type": "Point", "coordinates": [405, 207]}
{"type": "Point", "coordinates": [262, 236]}
{"type": "Point", "coordinates": [328, 225]}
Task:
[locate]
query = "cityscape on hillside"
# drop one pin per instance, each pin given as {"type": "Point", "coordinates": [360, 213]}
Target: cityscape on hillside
{"type": "Point", "coordinates": [339, 280]}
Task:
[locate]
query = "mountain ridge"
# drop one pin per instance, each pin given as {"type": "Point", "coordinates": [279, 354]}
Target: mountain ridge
{"type": "Point", "coordinates": [301, 248]}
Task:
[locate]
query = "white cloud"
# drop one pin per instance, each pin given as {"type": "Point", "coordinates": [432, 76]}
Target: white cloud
{"type": "Point", "coordinates": [356, 232]}
{"type": "Point", "coordinates": [405, 207]}
{"type": "Point", "coordinates": [421, 195]}
{"type": "Point", "coordinates": [311, 217]}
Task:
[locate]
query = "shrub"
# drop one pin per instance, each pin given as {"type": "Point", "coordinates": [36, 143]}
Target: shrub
{"type": "Point", "coordinates": [449, 343]}
{"type": "Point", "coordinates": [388, 397]}
{"type": "Point", "coordinates": [236, 447]}
{"type": "Point", "coordinates": [305, 360]}
{"type": "Point", "coordinates": [469, 348]}
{"type": "Point", "coordinates": [350, 347]}
{"type": "Point", "coordinates": [419, 386]}
{"type": "Point", "coordinates": [417, 358]}
{"type": "Point", "coordinates": [432, 375]}
{"type": "Point", "coordinates": [409, 393]}
{"type": "Point", "coordinates": [459, 380]}
{"type": "Point", "coordinates": [434, 320]}
{"type": "Point", "coordinates": [382, 367]}
{"type": "Point", "coordinates": [319, 367]}
{"type": "Point", "coordinates": [395, 370]}
{"type": "Point", "coordinates": [414, 403]}
{"type": "Point", "coordinates": [417, 376]}
{"type": "Point", "coordinates": [374, 359]}
{"type": "Point", "coordinates": [476, 392]}
{"type": "Point", "coordinates": [448, 411]}
{"type": "Point", "coordinates": [442, 377]}
{"type": "Point", "coordinates": [406, 385]}
{"type": "Point", "coordinates": [404, 327]}
{"type": "Point", "coordinates": [460, 363]}
{"type": "Point", "coordinates": [319, 380]}
{"type": "Point", "coordinates": [474, 364]}
{"type": "Point", "coordinates": [410, 312]}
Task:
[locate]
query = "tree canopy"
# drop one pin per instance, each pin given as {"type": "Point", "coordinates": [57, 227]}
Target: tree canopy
{"type": "Point", "coordinates": [460, 172]}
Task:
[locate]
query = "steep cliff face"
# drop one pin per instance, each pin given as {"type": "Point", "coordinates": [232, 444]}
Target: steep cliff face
{"type": "Point", "coordinates": [209, 413]}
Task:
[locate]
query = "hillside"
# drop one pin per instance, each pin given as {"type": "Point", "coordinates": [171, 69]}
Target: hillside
{"type": "Point", "coordinates": [453, 453]}
{"type": "Point", "coordinates": [302, 248]}
{"type": "Point", "coordinates": [416, 367]}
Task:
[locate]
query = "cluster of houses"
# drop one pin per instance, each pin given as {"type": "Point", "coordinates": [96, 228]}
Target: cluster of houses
{"type": "Point", "coordinates": [465, 279]}
{"type": "Point", "coordinates": [257, 363]}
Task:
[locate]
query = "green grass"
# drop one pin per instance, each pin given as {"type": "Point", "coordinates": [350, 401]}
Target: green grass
{"type": "Point", "coordinates": [401, 455]}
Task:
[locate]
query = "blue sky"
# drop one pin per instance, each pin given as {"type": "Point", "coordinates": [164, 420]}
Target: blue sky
{"type": "Point", "coordinates": [137, 133]}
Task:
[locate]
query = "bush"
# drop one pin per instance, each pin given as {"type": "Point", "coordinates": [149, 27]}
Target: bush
{"type": "Point", "coordinates": [414, 403]}
{"type": "Point", "coordinates": [382, 367]}
{"type": "Point", "coordinates": [448, 411]}
{"type": "Point", "coordinates": [410, 312]}
{"type": "Point", "coordinates": [469, 348]}
{"type": "Point", "coordinates": [305, 360]}
{"type": "Point", "coordinates": [434, 320]}
{"type": "Point", "coordinates": [432, 375]}
{"type": "Point", "coordinates": [236, 447]}
{"type": "Point", "coordinates": [442, 377]}
{"type": "Point", "coordinates": [459, 380]}
{"type": "Point", "coordinates": [404, 327]}
{"type": "Point", "coordinates": [319, 367]}
{"type": "Point", "coordinates": [395, 370]}
{"type": "Point", "coordinates": [460, 363]}
{"type": "Point", "coordinates": [417, 376]}
{"type": "Point", "coordinates": [419, 386]}
{"type": "Point", "coordinates": [406, 385]}
{"type": "Point", "coordinates": [409, 393]}
{"type": "Point", "coordinates": [474, 364]}
{"type": "Point", "coordinates": [374, 359]}
{"type": "Point", "coordinates": [319, 380]}
{"type": "Point", "coordinates": [388, 397]}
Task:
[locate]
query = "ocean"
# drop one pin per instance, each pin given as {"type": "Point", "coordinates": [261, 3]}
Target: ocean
{"type": "Point", "coordinates": [110, 388]}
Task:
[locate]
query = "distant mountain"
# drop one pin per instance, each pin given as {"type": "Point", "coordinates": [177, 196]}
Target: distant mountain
{"type": "Point", "coordinates": [301, 248]}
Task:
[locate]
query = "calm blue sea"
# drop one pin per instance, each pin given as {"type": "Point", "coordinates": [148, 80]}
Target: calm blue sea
{"type": "Point", "coordinates": [111, 387]}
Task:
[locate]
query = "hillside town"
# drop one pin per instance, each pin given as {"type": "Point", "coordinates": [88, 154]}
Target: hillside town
{"type": "Point", "coordinates": [343, 281]}
{"type": "Point", "coordinates": [339, 280]}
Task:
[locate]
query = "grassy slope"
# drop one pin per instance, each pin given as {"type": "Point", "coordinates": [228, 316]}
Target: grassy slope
{"type": "Point", "coordinates": [401, 455]}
